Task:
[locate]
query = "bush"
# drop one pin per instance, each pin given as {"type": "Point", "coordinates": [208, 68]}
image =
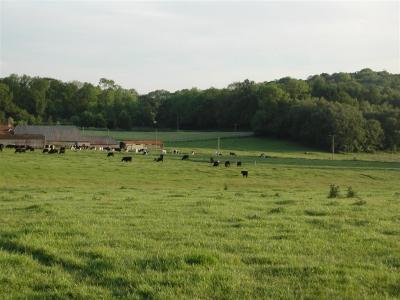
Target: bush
{"type": "Point", "coordinates": [350, 192]}
{"type": "Point", "coordinates": [334, 191]}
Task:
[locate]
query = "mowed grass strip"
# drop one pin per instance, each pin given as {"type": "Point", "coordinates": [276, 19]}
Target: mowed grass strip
{"type": "Point", "coordinates": [168, 136]}
{"type": "Point", "coordinates": [82, 225]}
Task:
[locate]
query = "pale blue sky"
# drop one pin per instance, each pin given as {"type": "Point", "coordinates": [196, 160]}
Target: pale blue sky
{"type": "Point", "coordinates": [176, 45]}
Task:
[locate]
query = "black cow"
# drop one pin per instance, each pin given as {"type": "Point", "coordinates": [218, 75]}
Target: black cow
{"type": "Point", "coordinates": [227, 163]}
{"type": "Point", "coordinates": [239, 164]}
{"type": "Point", "coordinates": [127, 159]}
{"type": "Point", "coordinates": [62, 150]}
{"type": "Point", "coordinates": [117, 149]}
{"type": "Point", "coordinates": [185, 157]}
{"type": "Point", "coordinates": [215, 163]}
{"type": "Point", "coordinates": [245, 173]}
{"type": "Point", "coordinates": [232, 153]}
{"type": "Point", "coordinates": [161, 158]}
{"type": "Point", "coordinates": [110, 154]}
{"type": "Point", "coordinates": [20, 150]}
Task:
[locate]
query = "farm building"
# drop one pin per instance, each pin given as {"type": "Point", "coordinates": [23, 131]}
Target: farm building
{"type": "Point", "coordinates": [141, 144]}
{"type": "Point", "coordinates": [8, 137]}
{"type": "Point", "coordinates": [6, 129]}
{"type": "Point", "coordinates": [61, 135]}
{"type": "Point", "coordinates": [58, 135]}
{"type": "Point", "coordinates": [33, 140]}
{"type": "Point", "coordinates": [102, 141]}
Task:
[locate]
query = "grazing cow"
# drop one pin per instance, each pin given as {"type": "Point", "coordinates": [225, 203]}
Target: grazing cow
{"type": "Point", "coordinates": [127, 159]}
{"type": "Point", "coordinates": [262, 155]}
{"type": "Point", "coordinates": [245, 173]}
{"type": "Point", "coordinates": [1, 147]}
{"type": "Point", "coordinates": [227, 163]}
{"type": "Point", "coordinates": [185, 157]}
{"type": "Point", "coordinates": [110, 154]}
{"type": "Point", "coordinates": [193, 153]}
{"type": "Point", "coordinates": [161, 158]}
{"type": "Point", "coordinates": [232, 153]}
{"type": "Point", "coordinates": [239, 164]}
{"type": "Point", "coordinates": [45, 150]}
{"type": "Point", "coordinates": [117, 149]}
{"type": "Point", "coordinates": [19, 150]}
{"type": "Point", "coordinates": [216, 163]}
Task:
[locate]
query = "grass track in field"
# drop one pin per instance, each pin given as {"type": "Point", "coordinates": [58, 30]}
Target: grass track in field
{"type": "Point", "coordinates": [167, 136]}
{"type": "Point", "coordinates": [84, 226]}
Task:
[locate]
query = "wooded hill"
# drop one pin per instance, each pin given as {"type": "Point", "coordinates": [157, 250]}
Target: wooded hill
{"type": "Point", "coordinates": [361, 109]}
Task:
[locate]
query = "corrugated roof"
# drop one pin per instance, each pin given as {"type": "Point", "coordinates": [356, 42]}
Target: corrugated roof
{"type": "Point", "coordinates": [56, 133]}
{"type": "Point", "coordinates": [101, 140]}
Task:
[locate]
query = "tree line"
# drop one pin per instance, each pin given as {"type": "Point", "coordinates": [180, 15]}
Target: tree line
{"type": "Point", "coordinates": [362, 109]}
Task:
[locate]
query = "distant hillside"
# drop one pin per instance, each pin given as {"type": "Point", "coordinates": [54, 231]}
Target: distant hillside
{"type": "Point", "coordinates": [361, 109]}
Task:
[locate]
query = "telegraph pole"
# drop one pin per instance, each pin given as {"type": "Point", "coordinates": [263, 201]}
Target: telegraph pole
{"type": "Point", "coordinates": [155, 124]}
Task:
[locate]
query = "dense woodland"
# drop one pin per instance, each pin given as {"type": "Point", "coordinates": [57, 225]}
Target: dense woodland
{"type": "Point", "coordinates": [361, 109]}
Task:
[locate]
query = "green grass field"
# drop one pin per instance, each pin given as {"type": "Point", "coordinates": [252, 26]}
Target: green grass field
{"type": "Point", "coordinates": [86, 227]}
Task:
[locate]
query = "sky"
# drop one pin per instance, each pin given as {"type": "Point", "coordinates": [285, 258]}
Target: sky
{"type": "Point", "coordinates": [176, 45]}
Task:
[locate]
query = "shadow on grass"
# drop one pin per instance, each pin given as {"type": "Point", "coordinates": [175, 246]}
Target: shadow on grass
{"type": "Point", "coordinates": [92, 272]}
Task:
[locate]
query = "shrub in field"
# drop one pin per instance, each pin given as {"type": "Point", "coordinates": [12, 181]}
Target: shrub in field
{"type": "Point", "coordinates": [360, 202]}
{"type": "Point", "coordinates": [351, 193]}
{"type": "Point", "coordinates": [334, 191]}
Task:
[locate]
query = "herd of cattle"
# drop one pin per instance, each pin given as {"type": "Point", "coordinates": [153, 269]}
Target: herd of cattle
{"type": "Point", "coordinates": [51, 149]}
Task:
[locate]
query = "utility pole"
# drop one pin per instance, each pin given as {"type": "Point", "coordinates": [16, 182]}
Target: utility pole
{"type": "Point", "coordinates": [333, 145]}
{"type": "Point", "coordinates": [155, 124]}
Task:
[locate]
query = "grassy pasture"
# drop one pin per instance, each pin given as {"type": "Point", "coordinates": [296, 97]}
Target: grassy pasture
{"type": "Point", "coordinates": [87, 227]}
